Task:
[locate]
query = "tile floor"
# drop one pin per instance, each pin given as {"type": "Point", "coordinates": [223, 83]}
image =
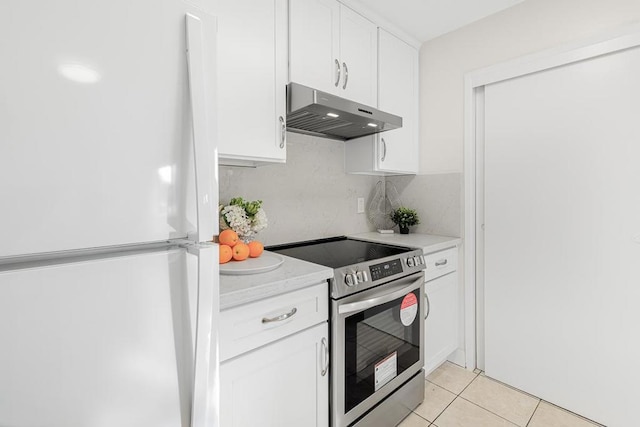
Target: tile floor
{"type": "Point", "coordinates": [456, 397]}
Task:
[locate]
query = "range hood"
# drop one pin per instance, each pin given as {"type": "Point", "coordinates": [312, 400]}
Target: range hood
{"type": "Point", "coordinates": [317, 113]}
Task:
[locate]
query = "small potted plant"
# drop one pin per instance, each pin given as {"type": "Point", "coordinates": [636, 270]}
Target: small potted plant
{"type": "Point", "coordinates": [404, 218]}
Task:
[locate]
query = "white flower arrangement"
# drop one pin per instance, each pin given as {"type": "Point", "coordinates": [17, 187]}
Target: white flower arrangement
{"type": "Point", "coordinates": [244, 217]}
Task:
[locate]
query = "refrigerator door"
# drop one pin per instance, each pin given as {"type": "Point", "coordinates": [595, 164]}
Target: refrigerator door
{"type": "Point", "coordinates": [111, 341]}
{"type": "Point", "coordinates": [96, 139]}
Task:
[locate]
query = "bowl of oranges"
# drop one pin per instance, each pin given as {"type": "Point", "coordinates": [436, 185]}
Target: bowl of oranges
{"type": "Point", "coordinates": [237, 257]}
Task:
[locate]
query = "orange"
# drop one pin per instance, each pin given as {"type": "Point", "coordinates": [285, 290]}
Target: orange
{"type": "Point", "coordinates": [228, 237]}
{"type": "Point", "coordinates": [226, 253]}
{"type": "Point", "coordinates": [240, 251]}
{"type": "Point", "coordinates": [255, 249]}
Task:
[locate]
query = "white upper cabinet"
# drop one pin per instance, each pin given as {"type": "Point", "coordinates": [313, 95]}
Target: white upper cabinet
{"type": "Point", "coordinates": [252, 76]}
{"type": "Point", "coordinates": [398, 94]}
{"type": "Point", "coordinates": [314, 49]}
{"type": "Point", "coordinates": [395, 151]}
{"type": "Point", "coordinates": [359, 57]}
{"type": "Point", "coordinates": [333, 49]}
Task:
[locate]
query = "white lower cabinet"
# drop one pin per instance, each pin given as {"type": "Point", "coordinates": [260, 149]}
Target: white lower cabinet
{"type": "Point", "coordinates": [442, 323]}
{"type": "Point", "coordinates": [278, 385]}
{"type": "Point", "coordinates": [283, 379]}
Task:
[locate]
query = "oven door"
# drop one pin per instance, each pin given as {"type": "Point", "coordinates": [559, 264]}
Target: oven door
{"type": "Point", "coordinates": [377, 345]}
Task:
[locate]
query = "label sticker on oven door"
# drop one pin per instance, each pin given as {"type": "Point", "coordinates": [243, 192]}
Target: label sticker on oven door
{"type": "Point", "coordinates": [408, 309]}
{"type": "Point", "coordinates": [386, 370]}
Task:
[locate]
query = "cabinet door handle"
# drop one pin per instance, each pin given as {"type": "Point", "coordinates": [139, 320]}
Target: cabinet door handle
{"type": "Point", "coordinates": [283, 132]}
{"type": "Point", "coordinates": [337, 73]}
{"type": "Point", "coordinates": [442, 262]}
{"type": "Point", "coordinates": [325, 352]}
{"type": "Point", "coordinates": [384, 150]}
{"type": "Point", "coordinates": [426, 297]}
{"type": "Point", "coordinates": [281, 317]}
{"type": "Point", "coordinates": [346, 75]}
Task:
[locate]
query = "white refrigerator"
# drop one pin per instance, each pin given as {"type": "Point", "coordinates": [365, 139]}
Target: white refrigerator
{"type": "Point", "coordinates": [109, 194]}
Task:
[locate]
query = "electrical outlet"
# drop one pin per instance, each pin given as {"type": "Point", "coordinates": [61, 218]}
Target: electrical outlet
{"type": "Point", "coordinates": [360, 204]}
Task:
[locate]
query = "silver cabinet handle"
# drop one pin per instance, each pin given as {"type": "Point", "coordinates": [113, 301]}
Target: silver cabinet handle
{"type": "Point", "coordinates": [337, 73]}
{"type": "Point", "coordinates": [441, 262]}
{"type": "Point", "coordinates": [426, 297]}
{"type": "Point", "coordinates": [346, 75]}
{"type": "Point", "coordinates": [325, 347]}
{"type": "Point", "coordinates": [384, 150]}
{"type": "Point", "coordinates": [281, 317]}
{"type": "Point", "coordinates": [283, 132]}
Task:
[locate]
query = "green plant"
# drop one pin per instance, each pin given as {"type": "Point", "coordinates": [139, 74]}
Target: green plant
{"type": "Point", "coordinates": [405, 217]}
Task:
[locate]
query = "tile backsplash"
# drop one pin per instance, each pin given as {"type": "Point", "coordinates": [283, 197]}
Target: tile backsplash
{"type": "Point", "coordinates": [312, 197]}
{"type": "Point", "coordinates": [437, 198]}
{"type": "Point", "coordinates": [309, 197]}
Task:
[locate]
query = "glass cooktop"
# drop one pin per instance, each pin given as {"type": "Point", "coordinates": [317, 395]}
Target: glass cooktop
{"type": "Point", "coordinates": [337, 252]}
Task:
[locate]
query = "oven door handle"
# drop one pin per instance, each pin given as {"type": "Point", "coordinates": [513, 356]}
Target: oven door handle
{"type": "Point", "coordinates": [372, 302]}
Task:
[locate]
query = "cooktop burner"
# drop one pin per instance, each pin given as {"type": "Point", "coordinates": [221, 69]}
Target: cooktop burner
{"type": "Point", "coordinates": [357, 265]}
{"type": "Point", "coordinates": [338, 252]}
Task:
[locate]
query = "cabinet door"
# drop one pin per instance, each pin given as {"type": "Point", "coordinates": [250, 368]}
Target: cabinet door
{"type": "Point", "coordinates": [315, 45]}
{"type": "Point", "coordinates": [278, 385]}
{"type": "Point", "coordinates": [398, 94]}
{"type": "Point", "coordinates": [441, 326]}
{"type": "Point", "coordinates": [252, 75]}
{"type": "Point", "coordinates": [359, 57]}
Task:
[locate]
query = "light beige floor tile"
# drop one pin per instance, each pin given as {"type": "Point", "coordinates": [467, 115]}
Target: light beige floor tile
{"type": "Point", "coordinates": [462, 413]}
{"type": "Point", "coordinates": [451, 377]}
{"type": "Point", "coordinates": [548, 415]}
{"type": "Point", "coordinates": [414, 421]}
{"type": "Point", "coordinates": [435, 400]}
{"type": "Point", "coordinates": [504, 401]}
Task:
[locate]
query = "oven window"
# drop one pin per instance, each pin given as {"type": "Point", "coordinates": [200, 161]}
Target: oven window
{"type": "Point", "coordinates": [379, 347]}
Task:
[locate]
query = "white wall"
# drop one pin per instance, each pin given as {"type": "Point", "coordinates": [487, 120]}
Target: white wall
{"type": "Point", "coordinates": [528, 27]}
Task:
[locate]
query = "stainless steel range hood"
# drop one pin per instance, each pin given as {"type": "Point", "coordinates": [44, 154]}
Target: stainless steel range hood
{"type": "Point", "coordinates": [317, 113]}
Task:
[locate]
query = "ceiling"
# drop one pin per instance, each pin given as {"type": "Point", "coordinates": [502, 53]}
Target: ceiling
{"type": "Point", "coordinates": [427, 19]}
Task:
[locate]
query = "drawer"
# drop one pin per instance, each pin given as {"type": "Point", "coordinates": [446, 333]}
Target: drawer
{"type": "Point", "coordinates": [253, 325]}
{"type": "Point", "coordinates": [440, 263]}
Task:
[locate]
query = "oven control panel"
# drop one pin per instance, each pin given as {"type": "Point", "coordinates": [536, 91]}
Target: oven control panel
{"type": "Point", "coordinates": [385, 269]}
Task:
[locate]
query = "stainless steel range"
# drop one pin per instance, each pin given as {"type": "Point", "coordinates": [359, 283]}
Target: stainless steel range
{"type": "Point", "coordinates": [377, 318]}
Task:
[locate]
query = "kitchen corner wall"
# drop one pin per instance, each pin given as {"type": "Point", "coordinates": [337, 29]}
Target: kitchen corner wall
{"type": "Point", "coordinates": [436, 198]}
{"type": "Point", "coordinates": [309, 197]}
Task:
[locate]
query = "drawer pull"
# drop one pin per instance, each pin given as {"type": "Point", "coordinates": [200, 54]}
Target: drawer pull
{"type": "Point", "coordinates": [281, 317]}
{"type": "Point", "coordinates": [441, 262]}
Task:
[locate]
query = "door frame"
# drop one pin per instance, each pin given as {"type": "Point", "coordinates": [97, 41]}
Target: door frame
{"type": "Point", "coordinates": [612, 41]}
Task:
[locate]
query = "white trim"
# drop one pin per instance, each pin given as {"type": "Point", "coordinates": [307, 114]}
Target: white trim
{"type": "Point", "coordinates": [610, 42]}
{"type": "Point", "coordinates": [614, 41]}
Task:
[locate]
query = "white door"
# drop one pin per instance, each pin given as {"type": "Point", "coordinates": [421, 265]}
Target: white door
{"type": "Point", "coordinates": [278, 385]}
{"type": "Point", "coordinates": [398, 94]}
{"type": "Point", "coordinates": [101, 342]}
{"type": "Point", "coordinates": [95, 142]}
{"type": "Point", "coordinates": [562, 235]}
{"type": "Point", "coordinates": [314, 34]}
{"type": "Point", "coordinates": [252, 76]}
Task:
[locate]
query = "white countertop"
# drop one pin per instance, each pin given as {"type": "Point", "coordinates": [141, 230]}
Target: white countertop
{"type": "Point", "coordinates": [293, 274]}
{"type": "Point", "coordinates": [427, 242]}
{"type": "Point", "coordinates": [296, 274]}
